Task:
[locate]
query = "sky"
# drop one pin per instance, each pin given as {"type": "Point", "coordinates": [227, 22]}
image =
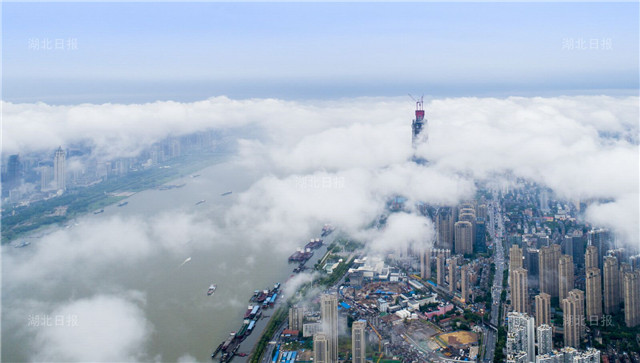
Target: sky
{"type": "Point", "coordinates": [132, 52]}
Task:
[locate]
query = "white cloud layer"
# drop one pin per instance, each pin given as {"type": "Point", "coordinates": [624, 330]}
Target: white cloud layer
{"type": "Point", "coordinates": [102, 328]}
{"type": "Point", "coordinates": [328, 162]}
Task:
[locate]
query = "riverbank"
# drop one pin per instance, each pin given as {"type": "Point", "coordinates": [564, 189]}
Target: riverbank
{"type": "Point", "coordinates": [19, 221]}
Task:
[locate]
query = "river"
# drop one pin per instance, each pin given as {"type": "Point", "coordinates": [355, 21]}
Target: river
{"type": "Point", "coordinates": [184, 321]}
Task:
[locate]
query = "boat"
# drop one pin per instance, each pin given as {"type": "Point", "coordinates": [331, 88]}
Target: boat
{"type": "Point", "coordinates": [326, 230]}
{"type": "Point", "coordinates": [122, 204]}
{"type": "Point", "coordinates": [22, 244]}
{"type": "Point", "coordinates": [99, 211]}
{"type": "Point", "coordinates": [201, 201]}
{"type": "Point", "coordinates": [226, 193]}
{"type": "Point", "coordinates": [215, 352]}
{"type": "Point", "coordinates": [211, 290]}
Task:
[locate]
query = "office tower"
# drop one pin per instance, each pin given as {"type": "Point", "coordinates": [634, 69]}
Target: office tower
{"type": "Point", "coordinates": [13, 175]}
{"type": "Point", "coordinates": [445, 225]}
{"type": "Point", "coordinates": [464, 284]}
{"type": "Point", "coordinates": [565, 276]}
{"type": "Point", "coordinates": [480, 240]}
{"type": "Point", "coordinates": [418, 124]}
{"type": "Point", "coordinates": [296, 317]}
{"type": "Point", "coordinates": [573, 320]}
{"type": "Point", "coordinates": [593, 285]}
{"type": "Point", "coordinates": [591, 257]}
{"type": "Point", "coordinates": [632, 298]}
{"type": "Point", "coordinates": [545, 339]}
{"type": "Point", "coordinates": [602, 239]}
{"type": "Point", "coordinates": [567, 245]}
{"type": "Point", "coordinates": [543, 198]}
{"type": "Point", "coordinates": [531, 261]}
{"type": "Point", "coordinates": [329, 307]}
{"type": "Point", "coordinates": [59, 170]}
{"type": "Point", "coordinates": [452, 266]}
{"type": "Point", "coordinates": [463, 238]}
{"type": "Point", "coordinates": [440, 269]}
{"type": "Point", "coordinates": [46, 175]}
{"type": "Point", "coordinates": [521, 335]}
{"type": "Point", "coordinates": [548, 263]}
{"type": "Point", "coordinates": [519, 291]}
{"type": "Point", "coordinates": [543, 309]}
{"type": "Point", "coordinates": [611, 285]}
{"type": "Point", "coordinates": [321, 349]}
{"type": "Point", "coordinates": [358, 342]}
{"type": "Point", "coordinates": [425, 264]}
{"type": "Point", "coordinates": [579, 247]}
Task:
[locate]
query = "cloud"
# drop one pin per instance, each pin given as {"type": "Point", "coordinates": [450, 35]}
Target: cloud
{"type": "Point", "coordinates": [402, 231]}
{"type": "Point", "coordinates": [570, 144]}
{"type": "Point", "coordinates": [102, 328]}
{"type": "Point", "coordinates": [94, 246]}
{"type": "Point", "coordinates": [320, 162]}
{"type": "Point", "coordinates": [293, 284]}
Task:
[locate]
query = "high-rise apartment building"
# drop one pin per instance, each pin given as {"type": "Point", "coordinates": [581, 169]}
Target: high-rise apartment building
{"type": "Point", "coordinates": [521, 335]}
{"type": "Point", "coordinates": [321, 349]}
{"type": "Point", "coordinates": [425, 264]}
{"type": "Point", "coordinates": [453, 267]}
{"type": "Point", "coordinates": [296, 318]}
{"type": "Point", "coordinates": [593, 284]}
{"type": "Point", "coordinates": [573, 319]}
{"type": "Point", "coordinates": [591, 257]}
{"type": "Point", "coordinates": [445, 225]}
{"type": "Point", "coordinates": [440, 269]}
{"type": "Point", "coordinates": [520, 290]}
{"type": "Point", "coordinates": [545, 339]}
{"type": "Point", "coordinates": [565, 276]}
{"type": "Point", "coordinates": [329, 310]}
{"type": "Point", "coordinates": [464, 283]}
{"type": "Point", "coordinates": [632, 298]}
{"type": "Point", "coordinates": [463, 237]}
{"type": "Point", "coordinates": [611, 272]}
{"type": "Point", "coordinates": [549, 258]}
{"type": "Point", "coordinates": [358, 342]}
{"type": "Point", "coordinates": [59, 170]}
{"type": "Point", "coordinates": [543, 309]}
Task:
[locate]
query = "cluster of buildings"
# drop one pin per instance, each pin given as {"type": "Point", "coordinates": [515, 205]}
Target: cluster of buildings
{"type": "Point", "coordinates": [608, 292]}
{"type": "Point", "coordinates": [572, 278]}
{"type": "Point", "coordinates": [522, 335]}
{"type": "Point", "coordinates": [31, 177]}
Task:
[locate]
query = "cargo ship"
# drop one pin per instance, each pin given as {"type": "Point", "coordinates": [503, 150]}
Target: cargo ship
{"type": "Point", "coordinates": [300, 256]}
{"type": "Point", "coordinates": [211, 290]}
{"type": "Point", "coordinates": [326, 230]}
{"type": "Point", "coordinates": [200, 202]}
{"type": "Point", "coordinates": [170, 186]}
{"type": "Point", "coordinates": [215, 352]}
{"type": "Point", "coordinates": [226, 193]}
{"type": "Point", "coordinates": [22, 244]}
{"type": "Point", "coordinates": [122, 204]}
{"type": "Point", "coordinates": [241, 333]}
{"type": "Point", "coordinates": [99, 211]}
{"type": "Point", "coordinates": [314, 243]}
